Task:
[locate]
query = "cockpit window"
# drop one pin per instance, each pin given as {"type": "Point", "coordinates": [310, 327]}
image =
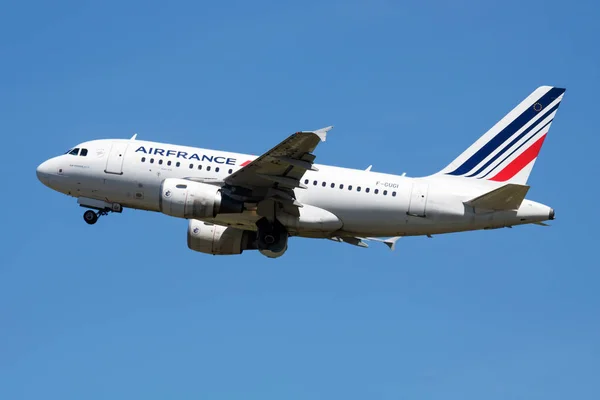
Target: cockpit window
{"type": "Point", "coordinates": [74, 152]}
{"type": "Point", "coordinates": [83, 152]}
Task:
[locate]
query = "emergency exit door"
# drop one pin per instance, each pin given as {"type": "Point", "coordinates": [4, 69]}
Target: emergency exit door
{"type": "Point", "coordinates": [418, 199]}
{"type": "Point", "coordinates": [114, 163]}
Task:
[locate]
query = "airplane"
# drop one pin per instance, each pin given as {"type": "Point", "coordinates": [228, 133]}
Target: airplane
{"type": "Point", "coordinates": [235, 202]}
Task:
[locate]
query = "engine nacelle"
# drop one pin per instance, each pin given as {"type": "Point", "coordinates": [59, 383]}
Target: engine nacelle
{"type": "Point", "coordinates": [188, 199]}
{"type": "Point", "coordinates": [217, 239]}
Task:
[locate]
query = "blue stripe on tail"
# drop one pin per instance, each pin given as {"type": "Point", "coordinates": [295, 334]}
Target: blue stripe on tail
{"type": "Point", "coordinates": [507, 132]}
{"type": "Point", "coordinates": [515, 140]}
{"type": "Point", "coordinates": [517, 149]}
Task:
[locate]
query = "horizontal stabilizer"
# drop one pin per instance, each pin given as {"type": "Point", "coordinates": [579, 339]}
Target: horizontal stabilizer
{"type": "Point", "coordinates": [507, 197]}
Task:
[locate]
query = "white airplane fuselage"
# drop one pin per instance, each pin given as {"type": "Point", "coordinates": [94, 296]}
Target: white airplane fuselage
{"type": "Point", "coordinates": [236, 202]}
{"type": "Point", "coordinates": [368, 204]}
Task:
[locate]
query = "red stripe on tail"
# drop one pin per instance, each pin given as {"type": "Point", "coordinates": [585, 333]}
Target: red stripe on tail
{"type": "Point", "coordinates": [520, 162]}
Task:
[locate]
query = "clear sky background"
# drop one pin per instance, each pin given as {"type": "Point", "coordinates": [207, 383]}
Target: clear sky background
{"type": "Point", "coordinates": [124, 310]}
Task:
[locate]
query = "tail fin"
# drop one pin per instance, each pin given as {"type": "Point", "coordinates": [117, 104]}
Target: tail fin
{"type": "Point", "coordinates": [507, 152]}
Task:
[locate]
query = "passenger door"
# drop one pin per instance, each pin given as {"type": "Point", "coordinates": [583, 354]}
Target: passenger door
{"type": "Point", "coordinates": [114, 163]}
{"type": "Point", "coordinates": [418, 199]}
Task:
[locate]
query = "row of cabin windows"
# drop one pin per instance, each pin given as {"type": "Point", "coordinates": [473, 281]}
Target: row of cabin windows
{"type": "Point", "coordinates": [358, 188]}
{"type": "Point", "coordinates": [178, 164]}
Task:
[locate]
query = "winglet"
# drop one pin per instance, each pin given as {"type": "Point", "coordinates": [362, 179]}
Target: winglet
{"type": "Point", "coordinates": [391, 242]}
{"type": "Point", "coordinates": [322, 133]}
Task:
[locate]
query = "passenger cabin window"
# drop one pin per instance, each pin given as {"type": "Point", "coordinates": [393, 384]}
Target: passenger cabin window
{"type": "Point", "coordinates": [367, 190]}
{"type": "Point", "coordinates": [332, 185]}
{"type": "Point", "coordinates": [178, 164]}
{"type": "Point", "coordinates": [169, 163]}
{"type": "Point", "coordinates": [83, 152]}
{"type": "Point", "coordinates": [217, 169]}
{"type": "Point", "coordinates": [230, 171]}
{"type": "Point", "coordinates": [323, 184]}
{"type": "Point", "coordinates": [208, 168]}
{"type": "Point", "coordinates": [160, 162]}
{"type": "Point", "coordinates": [191, 166]}
{"type": "Point", "coordinates": [350, 187]}
{"type": "Point", "coordinates": [376, 191]}
{"type": "Point", "coordinates": [143, 159]}
{"type": "Point", "coordinates": [341, 185]}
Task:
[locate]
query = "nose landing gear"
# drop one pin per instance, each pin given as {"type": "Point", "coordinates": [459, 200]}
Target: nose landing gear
{"type": "Point", "coordinates": [102, 207]}
{"type": "Point", "coordinates": [91, 216]}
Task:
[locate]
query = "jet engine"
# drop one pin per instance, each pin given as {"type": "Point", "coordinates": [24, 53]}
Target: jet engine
{"type": "Point", "coordinates": [217, 239]}
{"type": "Point", "coordinates": [188, 199]}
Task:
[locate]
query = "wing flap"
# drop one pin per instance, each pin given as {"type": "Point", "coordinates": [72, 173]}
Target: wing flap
{"type": "Point", "coordinates": [507, 197]}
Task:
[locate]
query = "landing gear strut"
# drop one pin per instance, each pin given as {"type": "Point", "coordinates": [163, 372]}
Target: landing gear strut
{"type": "Point", "coordinates": [91, 216]}
{"type": "Point", "coordinates": [98, 209]}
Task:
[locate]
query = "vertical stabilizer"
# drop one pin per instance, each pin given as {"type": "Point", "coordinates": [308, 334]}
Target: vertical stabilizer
{"type": "Point", "coordinates": [507, 152]}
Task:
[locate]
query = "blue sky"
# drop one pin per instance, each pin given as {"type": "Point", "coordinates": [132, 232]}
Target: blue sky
{"type": "Point", "coordinates": [124, 310]}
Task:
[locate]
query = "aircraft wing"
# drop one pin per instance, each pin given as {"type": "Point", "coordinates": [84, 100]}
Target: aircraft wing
{"type": "Point", "coordinates": [278, 171]}
{"type": "Point", "coordinates": [360, 242]}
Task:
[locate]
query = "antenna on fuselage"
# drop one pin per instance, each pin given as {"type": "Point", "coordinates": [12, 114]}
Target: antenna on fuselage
{"type": "Point", "coordinates": [134, 136]}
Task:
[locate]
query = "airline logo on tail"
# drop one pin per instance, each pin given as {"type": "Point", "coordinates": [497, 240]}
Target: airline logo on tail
{"type": "Point", "coordinates": [508, 150]}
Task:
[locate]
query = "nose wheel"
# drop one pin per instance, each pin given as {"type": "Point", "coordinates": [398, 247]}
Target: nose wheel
{"type": "Point", "coordinates": [98, 209]}
{"type": "Point", "coordinates": [90, 217]}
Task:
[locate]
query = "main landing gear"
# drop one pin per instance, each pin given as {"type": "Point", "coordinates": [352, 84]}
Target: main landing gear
{"type": "Point", "coordinates": [91, 216]}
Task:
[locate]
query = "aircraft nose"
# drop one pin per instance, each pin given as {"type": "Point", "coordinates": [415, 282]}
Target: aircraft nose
{"type": "Point", "coordinates": [43, 172]}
